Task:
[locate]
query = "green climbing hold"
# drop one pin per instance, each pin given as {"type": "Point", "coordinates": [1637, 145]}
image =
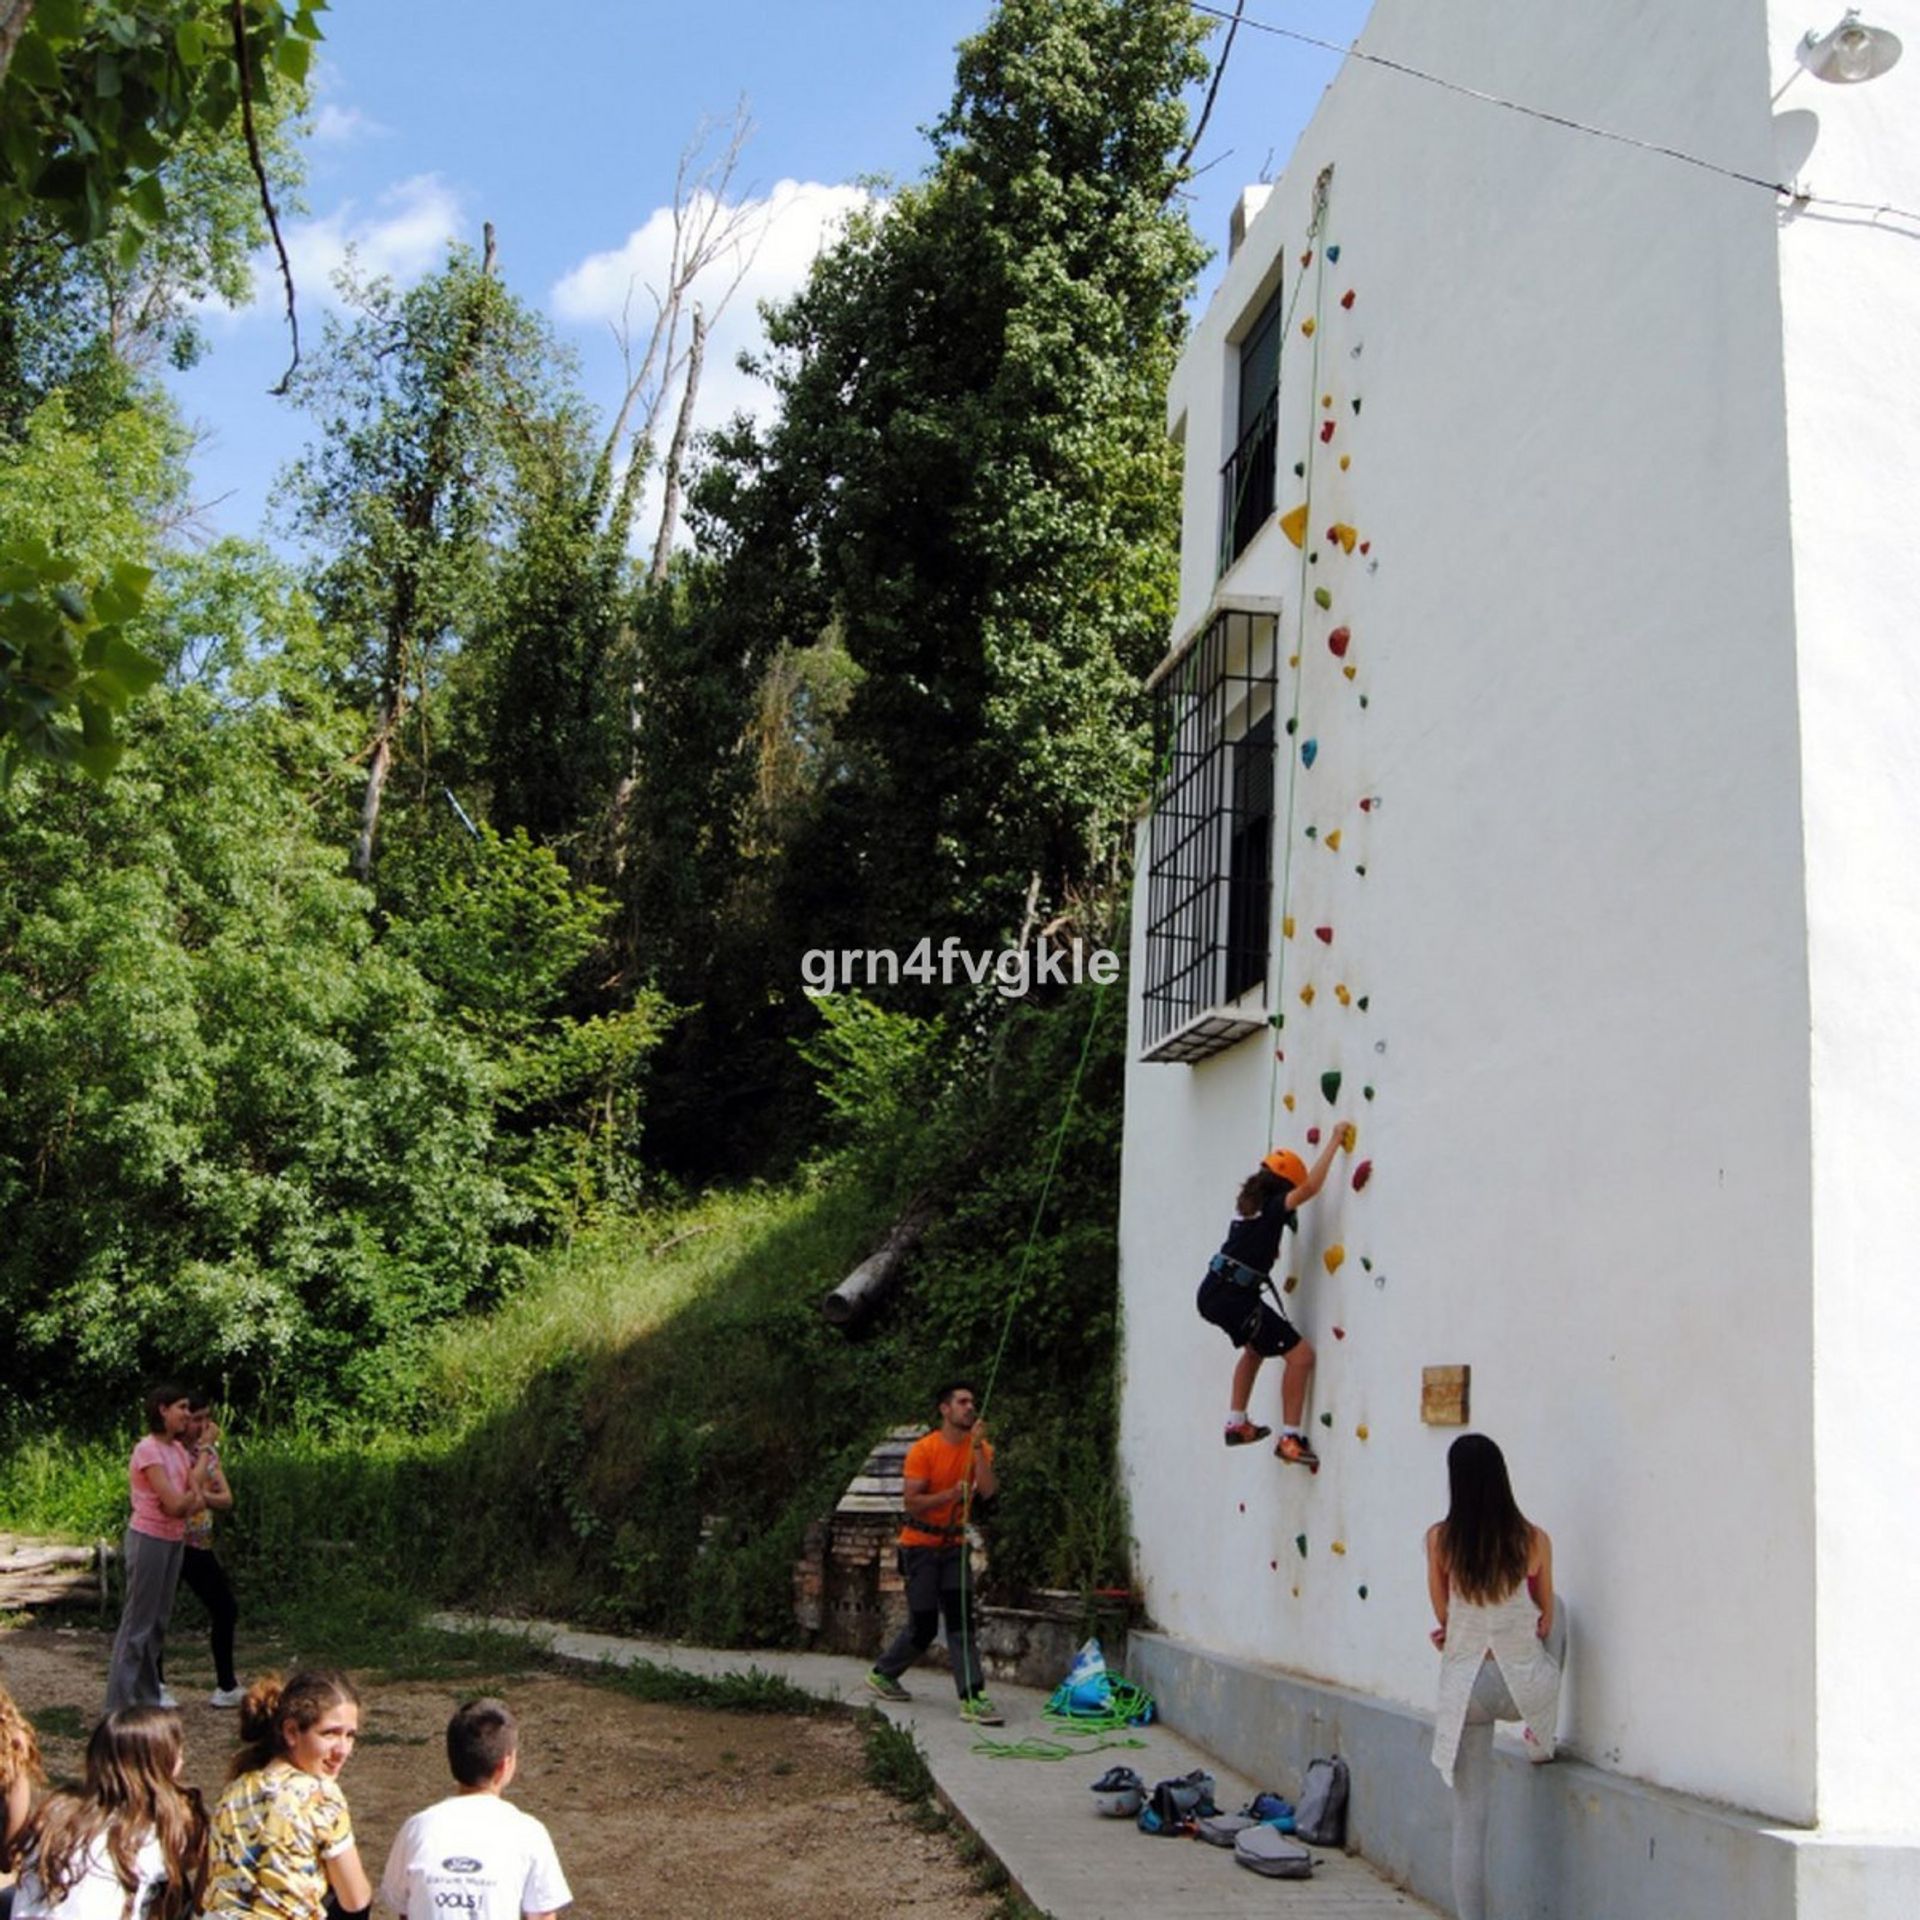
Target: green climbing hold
{"type": "Point", "coordinates": [1361, 871]}
{"type": "Point", "coordinates": [1363, 700]}
{"type": "Point", "coordinates": [1366, 1263]}
{"type": "Point", "coordinates": [1322, 598]}
{"type": "Point", "coordinates": [1330, 1083]}
{"type": "Point", "coordinates": [1299, 469]}
{"type": "Point", "coordinates": [1300, 1541]}
{"type": "Point", "coordinates": [1363, 1593]}
{"type": "Point", "coordinates": [1326, 1419]}
{"type": "Point", "coordinates": [1361, 1003]}
{"type": "Point", "coordinates": [1356, 403]}
{"type": "Point", "coordinates": [1293, 721]}
{"type": "Point", "coordinates": [1313, 833]}
{"type": "Point", "coordinates": [1368, 1091]}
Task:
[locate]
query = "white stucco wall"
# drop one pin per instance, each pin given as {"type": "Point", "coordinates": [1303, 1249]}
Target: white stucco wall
{"type": "Point", "coordinates": [1582, 926]}
{"type": "Point", "coordinates": [1850, 284]}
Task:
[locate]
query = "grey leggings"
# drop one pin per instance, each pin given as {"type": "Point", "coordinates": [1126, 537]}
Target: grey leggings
{"type": "Point", "coordinates": [153, 1571]}
{"type": "Point", "coordinates": [1473, 1773]}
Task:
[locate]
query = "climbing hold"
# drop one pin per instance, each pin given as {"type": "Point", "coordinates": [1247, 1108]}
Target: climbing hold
{"type": "Point", "coordinates": [1345, 534]}
{"type": "Point", "coordinates": [1379, 1046]}
{"type": "Point", "coordinates": [1357, 346]}
{"type": "Point", "coordinates": [1334, 1257]}
{"type": "Point", "coordinates": [1379, 1283]}
{"type": "Point", "coordinates": [1326, 431]}
{"type": "Point", "coordinates": [1356, 403]}
{"type": "Point", "coordinates": [1300, 1541]}
{"type": "Point", "coordinates": [1309, 752]}
{"type": "Point", "coordinates": [1279, 1053]}
{"type": "Point", "coordinates": [1346, 460]}
{"type": "Point", "coordinates": [1339, 1333]}
{"type": "Point", "coordinates": [1366, 1265]}
{"type": "Point", "coordinates": [1292, 723]}
{"type": "Point", "coordinates": [1340, 1547]}
{"type": "Point", "coordinates": [1333, 254]}
{"type": "Point", "coordinates": [1306, 326]}
{"type": "Point", "coordinates": [1333, 841]}
{"type": "Point", "coordinates": [1286, 926]}
{"type": "Point", "coordinates": [1349, 1135]}
{"type": "Point", "coordinates": [1338, 641]}
{"type": "Point", "coordinates": [1313, 1136]}
{"type": "Point", "coordinates": [1362, 1174]}
{"type": "Point", "coordinates": [1360, 1432]}
{"type": "Point", "coordinates": [1293, 659]}
{"type": "Point", "coordinates": [1294, 525]}
{"type": "Point", "coordinates": [1349, 671]}
{"type": "Point", "coordinates": [1363, 1002]}
{"type": "Point", "coordinates": [1276, 1020]}
{"type": "Point", "coordinates": [1274, 1564]}
{"type": "Point", "coordinates": [1341, 994]}
{"type": "Point", "coordinates": [1326, 1419]}
{"type": "Point", "coordinates": [1346, 299]}
{"type": "Point", "coordinates": [1361, 871]}
{"type": "Point", "coordinates": [1367, 1091]}
{"type": "Point", "coordinates": [1243, 1506]}
{"type": "Point", "coordinates": [1296, 1593]}
{"type": "Point", "coordinates": [1363, 700]}
{"type": "Point", "coordinates": [1363, 1593]}
{"type": "Point", "coordinates": [1366, 546]}
{"type": "Point", "coordinates": [1286, 1100]}
{"type": "Point", "coordinates": [1326, 399]}
{"type": "Point", "coordinates": [1292, 1281]}
{"type": "Point", "coordinates": [1324, 935]}
{"type": "Point", "coordinates": [1306, 994]}
{"type": "Point", "coordinates": [1312, 833]}
{"type": "Point", "coordinates": [1368, 804]}
{"type": "Point", "coordinates": [1299, 469]}
{"type": "Point", "coordinates": [1313, 559]}
{"type": "Point", "coordinates": [1322, 598]}
{"type": "Point", "coordinates": [1306, 259]}
{"type": "Point", "coordinates": [1330, 1083]}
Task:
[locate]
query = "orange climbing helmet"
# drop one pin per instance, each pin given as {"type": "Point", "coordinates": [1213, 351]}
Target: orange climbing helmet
{"type": "Point", "coordinates": [1288, 1165]}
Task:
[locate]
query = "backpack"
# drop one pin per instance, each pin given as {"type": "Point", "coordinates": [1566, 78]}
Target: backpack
{"type": "Point", "coordinates": [1273, 1854]}
{"type": "Point", "coordinates": [1223, 1829]}
{"type": "Point", "coordinates": [1322, 1816]}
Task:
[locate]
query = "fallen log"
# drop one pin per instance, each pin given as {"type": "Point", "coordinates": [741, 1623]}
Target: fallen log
{"type": "Point", "coordinates": [861, 1290]}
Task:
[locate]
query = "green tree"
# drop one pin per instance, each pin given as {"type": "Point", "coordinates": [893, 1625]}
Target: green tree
{"type": "Point", "coordinates": [969, 479]}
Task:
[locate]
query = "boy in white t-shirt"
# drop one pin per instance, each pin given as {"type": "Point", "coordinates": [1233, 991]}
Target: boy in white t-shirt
{"type": "Point", "coordinates": [476, 1855]}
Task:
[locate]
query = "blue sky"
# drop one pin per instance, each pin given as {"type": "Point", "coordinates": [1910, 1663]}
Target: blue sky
{"type": "Point", "coordinates": [434, 115]}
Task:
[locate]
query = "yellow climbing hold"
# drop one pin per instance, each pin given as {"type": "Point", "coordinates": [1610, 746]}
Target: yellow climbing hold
{"type": "Point", "coordinates": [1306, 994]}
{"type": "Point", "coordinates": [1293, 1280]}
{"type": "Point", "coordinates": [1341, 994]}
{"type": "Point", "coordinates": [1340, 1546]}
{"type": "Point", "coordinates": [1349, 671]}
{"type": "Point", "coordinates": [1345, 534]}
{"type": "Point", "coordinates": [1306, 326]}
{"type": "Point", "coordinates": [1333, 841]}
{"type": "Point", "coordinates": [1286, 1100]}
{"type": "Point", "coordinates": [1335, 1257]}
{"type": "Point", "coordinates": [1349, 1135]}
{"type": "Point", "coordinates": [1286, 926]}
{"type": "Point", "coordinates": [1360, 1432]}
{"type": "Point", "coordinates": [1346, 460]}
{"type": "Point", "coordinates": [1294, 525]}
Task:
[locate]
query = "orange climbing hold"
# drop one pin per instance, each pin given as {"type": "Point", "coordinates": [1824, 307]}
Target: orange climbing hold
{"type": "Point", "coordinates": [1341, 994]}
{"type": "Point", "coordinates": [1335, 1257]}
{"type": "Point", "coordinates": [1306, 994]}
{"type": "Point", "coordinates": [1346, 535]}
{"type": "Point", "coordinates": [1294, 526]}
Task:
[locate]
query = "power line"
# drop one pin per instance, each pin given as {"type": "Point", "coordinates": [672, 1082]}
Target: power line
{"type": "Point", "coordinates": [1355, 52]}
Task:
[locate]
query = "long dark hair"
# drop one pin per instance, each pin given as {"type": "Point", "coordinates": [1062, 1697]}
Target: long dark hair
{"type": "Point", "coordinates": [1485, 1540]}
{"type": "Point", "coordinates": [1257, 1190]}
{"type": "Point", "coordinates": [131, 1792]}
{"type": "Point", "coordinates": [271, 1702]}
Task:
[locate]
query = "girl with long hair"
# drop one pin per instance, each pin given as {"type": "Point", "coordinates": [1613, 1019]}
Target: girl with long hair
{"type": "Point", "coordinates": [131, 1844]}
{"type": "Point", "coordinates": [282, 1836]}
{"type": "Point", "coordinates": [20, 1773]}
{"type": "Point", "coordinates": [1502, 1640]}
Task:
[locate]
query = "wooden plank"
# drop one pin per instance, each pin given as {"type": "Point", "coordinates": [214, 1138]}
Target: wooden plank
{"type": "Point", "coordinates": [1444, 1395]}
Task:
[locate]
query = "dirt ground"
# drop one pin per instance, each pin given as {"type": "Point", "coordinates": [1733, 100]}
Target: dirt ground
{"type": "Point", "coordinates": [671, 1813]}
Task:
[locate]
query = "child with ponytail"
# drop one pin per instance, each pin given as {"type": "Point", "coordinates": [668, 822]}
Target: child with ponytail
{"type": "Point", "coordinates": [282, 1836]}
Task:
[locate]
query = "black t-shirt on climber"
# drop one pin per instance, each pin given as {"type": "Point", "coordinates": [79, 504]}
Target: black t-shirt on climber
{"type": "Point", "coordinates": [1256, 1243]}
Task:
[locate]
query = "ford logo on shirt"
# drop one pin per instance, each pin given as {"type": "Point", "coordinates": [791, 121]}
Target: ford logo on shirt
{"type": "Point", "coordinates": [459, 1863]}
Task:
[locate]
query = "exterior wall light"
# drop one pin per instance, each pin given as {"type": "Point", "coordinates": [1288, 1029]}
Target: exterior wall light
{"type": "Point", "coordinates": [1850, 52]}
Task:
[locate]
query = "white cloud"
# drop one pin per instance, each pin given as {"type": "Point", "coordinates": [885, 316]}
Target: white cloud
{"type": "Point", "coordinates": [777, 238]}
{"type": "Point", "coordinates": [401, 237]}
{"type": "Point", "coordinates": [337, 126]}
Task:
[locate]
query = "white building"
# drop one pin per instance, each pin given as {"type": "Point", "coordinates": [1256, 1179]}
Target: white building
{"type": "Point", "coordinates": [1598, 834]}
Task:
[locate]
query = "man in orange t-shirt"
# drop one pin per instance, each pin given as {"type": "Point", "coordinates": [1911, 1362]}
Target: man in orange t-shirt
{"type": "Point", "coordinates": [943, 1472]}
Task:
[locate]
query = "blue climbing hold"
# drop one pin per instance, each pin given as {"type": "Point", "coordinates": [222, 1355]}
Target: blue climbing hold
{"type": "Point", "coordinates": [1333, 255]}
{"type": "Point", "coordinates": [1309, 752]}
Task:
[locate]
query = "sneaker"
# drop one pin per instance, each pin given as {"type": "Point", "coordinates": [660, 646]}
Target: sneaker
{"type": "Point", "coordinates": [978, 1711]}
{"type": "Point", "coordinates": [886, 1686]}
{"type": "Point", "coordinates": [166, 1698]}
{"type": "Point", "coordinates": [226, 1696]}
{"type": "Point", "coordinates": [1294, 1449]}
{"type": "Point", "coordinates": [1243, 1433]}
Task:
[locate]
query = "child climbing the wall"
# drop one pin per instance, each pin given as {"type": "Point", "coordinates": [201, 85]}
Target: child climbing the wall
{"type": "Point", "coordinates": [1229, 1297]}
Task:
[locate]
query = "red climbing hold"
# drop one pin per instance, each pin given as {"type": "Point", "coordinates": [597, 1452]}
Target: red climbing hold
{"type": "Point", "coordinates": [1366, 805]}
{"type": "Point", "coordinates": [1324, 935]}
{"type": "Point", "coordinates": [1366, 546]}
{"type": "Point", "coordinates": [1313, 1136]}
{"type": "Point", "coordinates": [1346, 299]}
{"type": "Point", "coordinates": [1326, 431]}
{"type": "Point", "coordinates": [1362, 1174]}
{"type": "Point", "coordinates": [1338, 642]}
{"type": "Point", "coordinates": [1339, 1333]}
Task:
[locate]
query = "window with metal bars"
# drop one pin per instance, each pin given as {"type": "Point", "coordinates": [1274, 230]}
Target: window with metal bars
{"type": "Point", "coordinates": [1209, 886]}
{"type": "Point", "coordinates": [1247, 481]}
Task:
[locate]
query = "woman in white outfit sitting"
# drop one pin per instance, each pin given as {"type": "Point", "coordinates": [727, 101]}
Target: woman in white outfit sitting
{"type": "Point", "coordinates": [1502, 1641]}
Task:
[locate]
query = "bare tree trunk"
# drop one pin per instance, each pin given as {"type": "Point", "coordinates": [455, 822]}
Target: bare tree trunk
{"type": "Point", "coordinates": [14, 15]}
{"type": "Point", "coordinates": [677, 452]}
{"type": "Point", "coordinates": [855, 1296]}
{"type": "Point", "coordinates": [378, 768]}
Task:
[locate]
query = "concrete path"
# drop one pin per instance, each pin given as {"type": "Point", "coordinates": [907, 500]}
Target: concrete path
{"type": "Point", "coordinates": [1036, 1818]}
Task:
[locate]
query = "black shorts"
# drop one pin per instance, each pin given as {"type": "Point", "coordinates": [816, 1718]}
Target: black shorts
{"type": "Point", "coordinates": [1245, 1317]}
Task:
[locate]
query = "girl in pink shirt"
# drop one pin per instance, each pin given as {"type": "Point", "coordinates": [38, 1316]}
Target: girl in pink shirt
{"type": "Point", "coordinates": [166, 1491]}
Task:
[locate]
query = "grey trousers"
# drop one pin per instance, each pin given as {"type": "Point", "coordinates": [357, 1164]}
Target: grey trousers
{"type": "Point", "coordinates": [934, 1591]}
{"type": "Point", "coordinates": [153, 1571]}
{"type": "Point", "coordinates": [1473, 1773]}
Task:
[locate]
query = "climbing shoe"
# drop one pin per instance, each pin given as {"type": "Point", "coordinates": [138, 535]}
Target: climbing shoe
{"type": "Point", "coordinates": [978, 1711]}
{"type": "Point", "coordinates": [1243, 1433]}
{"type": "Point", "coordinates": [1294, 1449]}
{"type": "Point", "coordinates": [886, 1686]}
